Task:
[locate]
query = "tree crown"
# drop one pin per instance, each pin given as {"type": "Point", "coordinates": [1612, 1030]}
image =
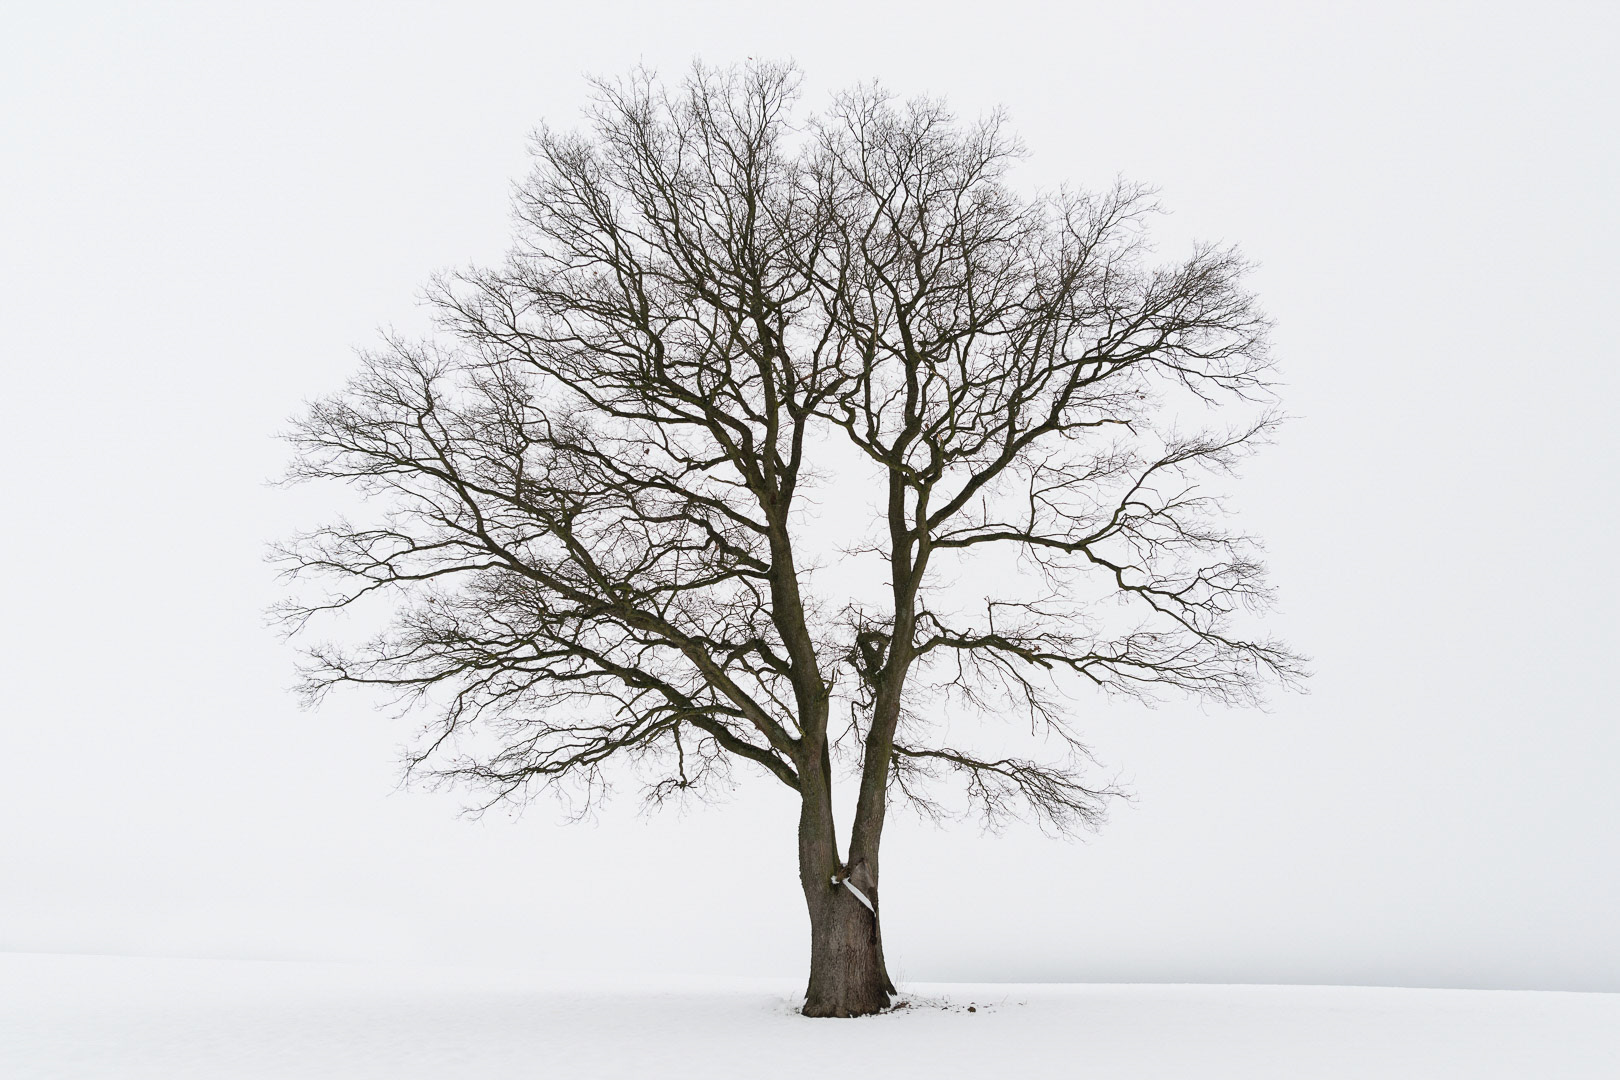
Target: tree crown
{"type": "Point", "coordinates": [591, 484]}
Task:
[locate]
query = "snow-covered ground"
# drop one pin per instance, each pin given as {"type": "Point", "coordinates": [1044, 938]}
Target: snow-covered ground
{"type": "Point", "coordinates": [119, 1017]}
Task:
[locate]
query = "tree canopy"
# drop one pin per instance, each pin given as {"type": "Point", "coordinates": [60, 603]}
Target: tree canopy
{"type": "Point", "coordinates": [596, 487]}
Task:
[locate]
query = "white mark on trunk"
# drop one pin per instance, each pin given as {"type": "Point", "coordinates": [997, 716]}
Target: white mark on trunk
{"type": "Point", "coordinates": [850, 885]}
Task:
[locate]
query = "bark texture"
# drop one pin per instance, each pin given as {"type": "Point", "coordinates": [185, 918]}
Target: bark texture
{"type": "Point", "coordinates": [847, 973]}
{"type": "Point", "coordinates": [848, 976]}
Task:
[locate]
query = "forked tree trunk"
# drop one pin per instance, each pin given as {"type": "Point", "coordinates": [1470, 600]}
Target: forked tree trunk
{"type": "Point", "coordinates": [847, 973]}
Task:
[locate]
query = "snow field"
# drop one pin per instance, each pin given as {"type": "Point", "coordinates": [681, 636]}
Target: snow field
{"type": "Point", "coordinates": [122, 1017]}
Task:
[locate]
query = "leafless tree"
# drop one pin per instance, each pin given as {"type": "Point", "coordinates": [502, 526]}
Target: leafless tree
{"type": "Point", "coordinates": [591, 523]}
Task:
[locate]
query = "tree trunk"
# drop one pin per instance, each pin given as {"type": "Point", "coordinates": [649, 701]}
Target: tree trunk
{"type": "Point", "coordinates": [847, 973]}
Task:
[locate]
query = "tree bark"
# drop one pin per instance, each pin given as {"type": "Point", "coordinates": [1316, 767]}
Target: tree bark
{"type": "Point", "coordinates": [847, 973]}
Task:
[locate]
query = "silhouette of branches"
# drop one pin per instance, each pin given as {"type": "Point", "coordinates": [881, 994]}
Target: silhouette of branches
{"type": "Point", "coordinates": [586, 482]}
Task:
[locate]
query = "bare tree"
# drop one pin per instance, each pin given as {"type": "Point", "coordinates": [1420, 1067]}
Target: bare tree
{"type": "Point", "coordinates": [590, 486]}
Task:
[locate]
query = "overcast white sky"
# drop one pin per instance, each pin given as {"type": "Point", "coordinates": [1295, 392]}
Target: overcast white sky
{"type": "Point", "coordinates": [204, 208]}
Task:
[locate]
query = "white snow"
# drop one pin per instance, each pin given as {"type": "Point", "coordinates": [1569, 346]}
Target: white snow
{"type": "Point", "coordinates": [120, 1017]}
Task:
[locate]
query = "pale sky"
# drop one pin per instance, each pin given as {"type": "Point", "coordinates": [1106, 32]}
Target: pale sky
{"type": "Point", "coordinates": [204, 209]}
